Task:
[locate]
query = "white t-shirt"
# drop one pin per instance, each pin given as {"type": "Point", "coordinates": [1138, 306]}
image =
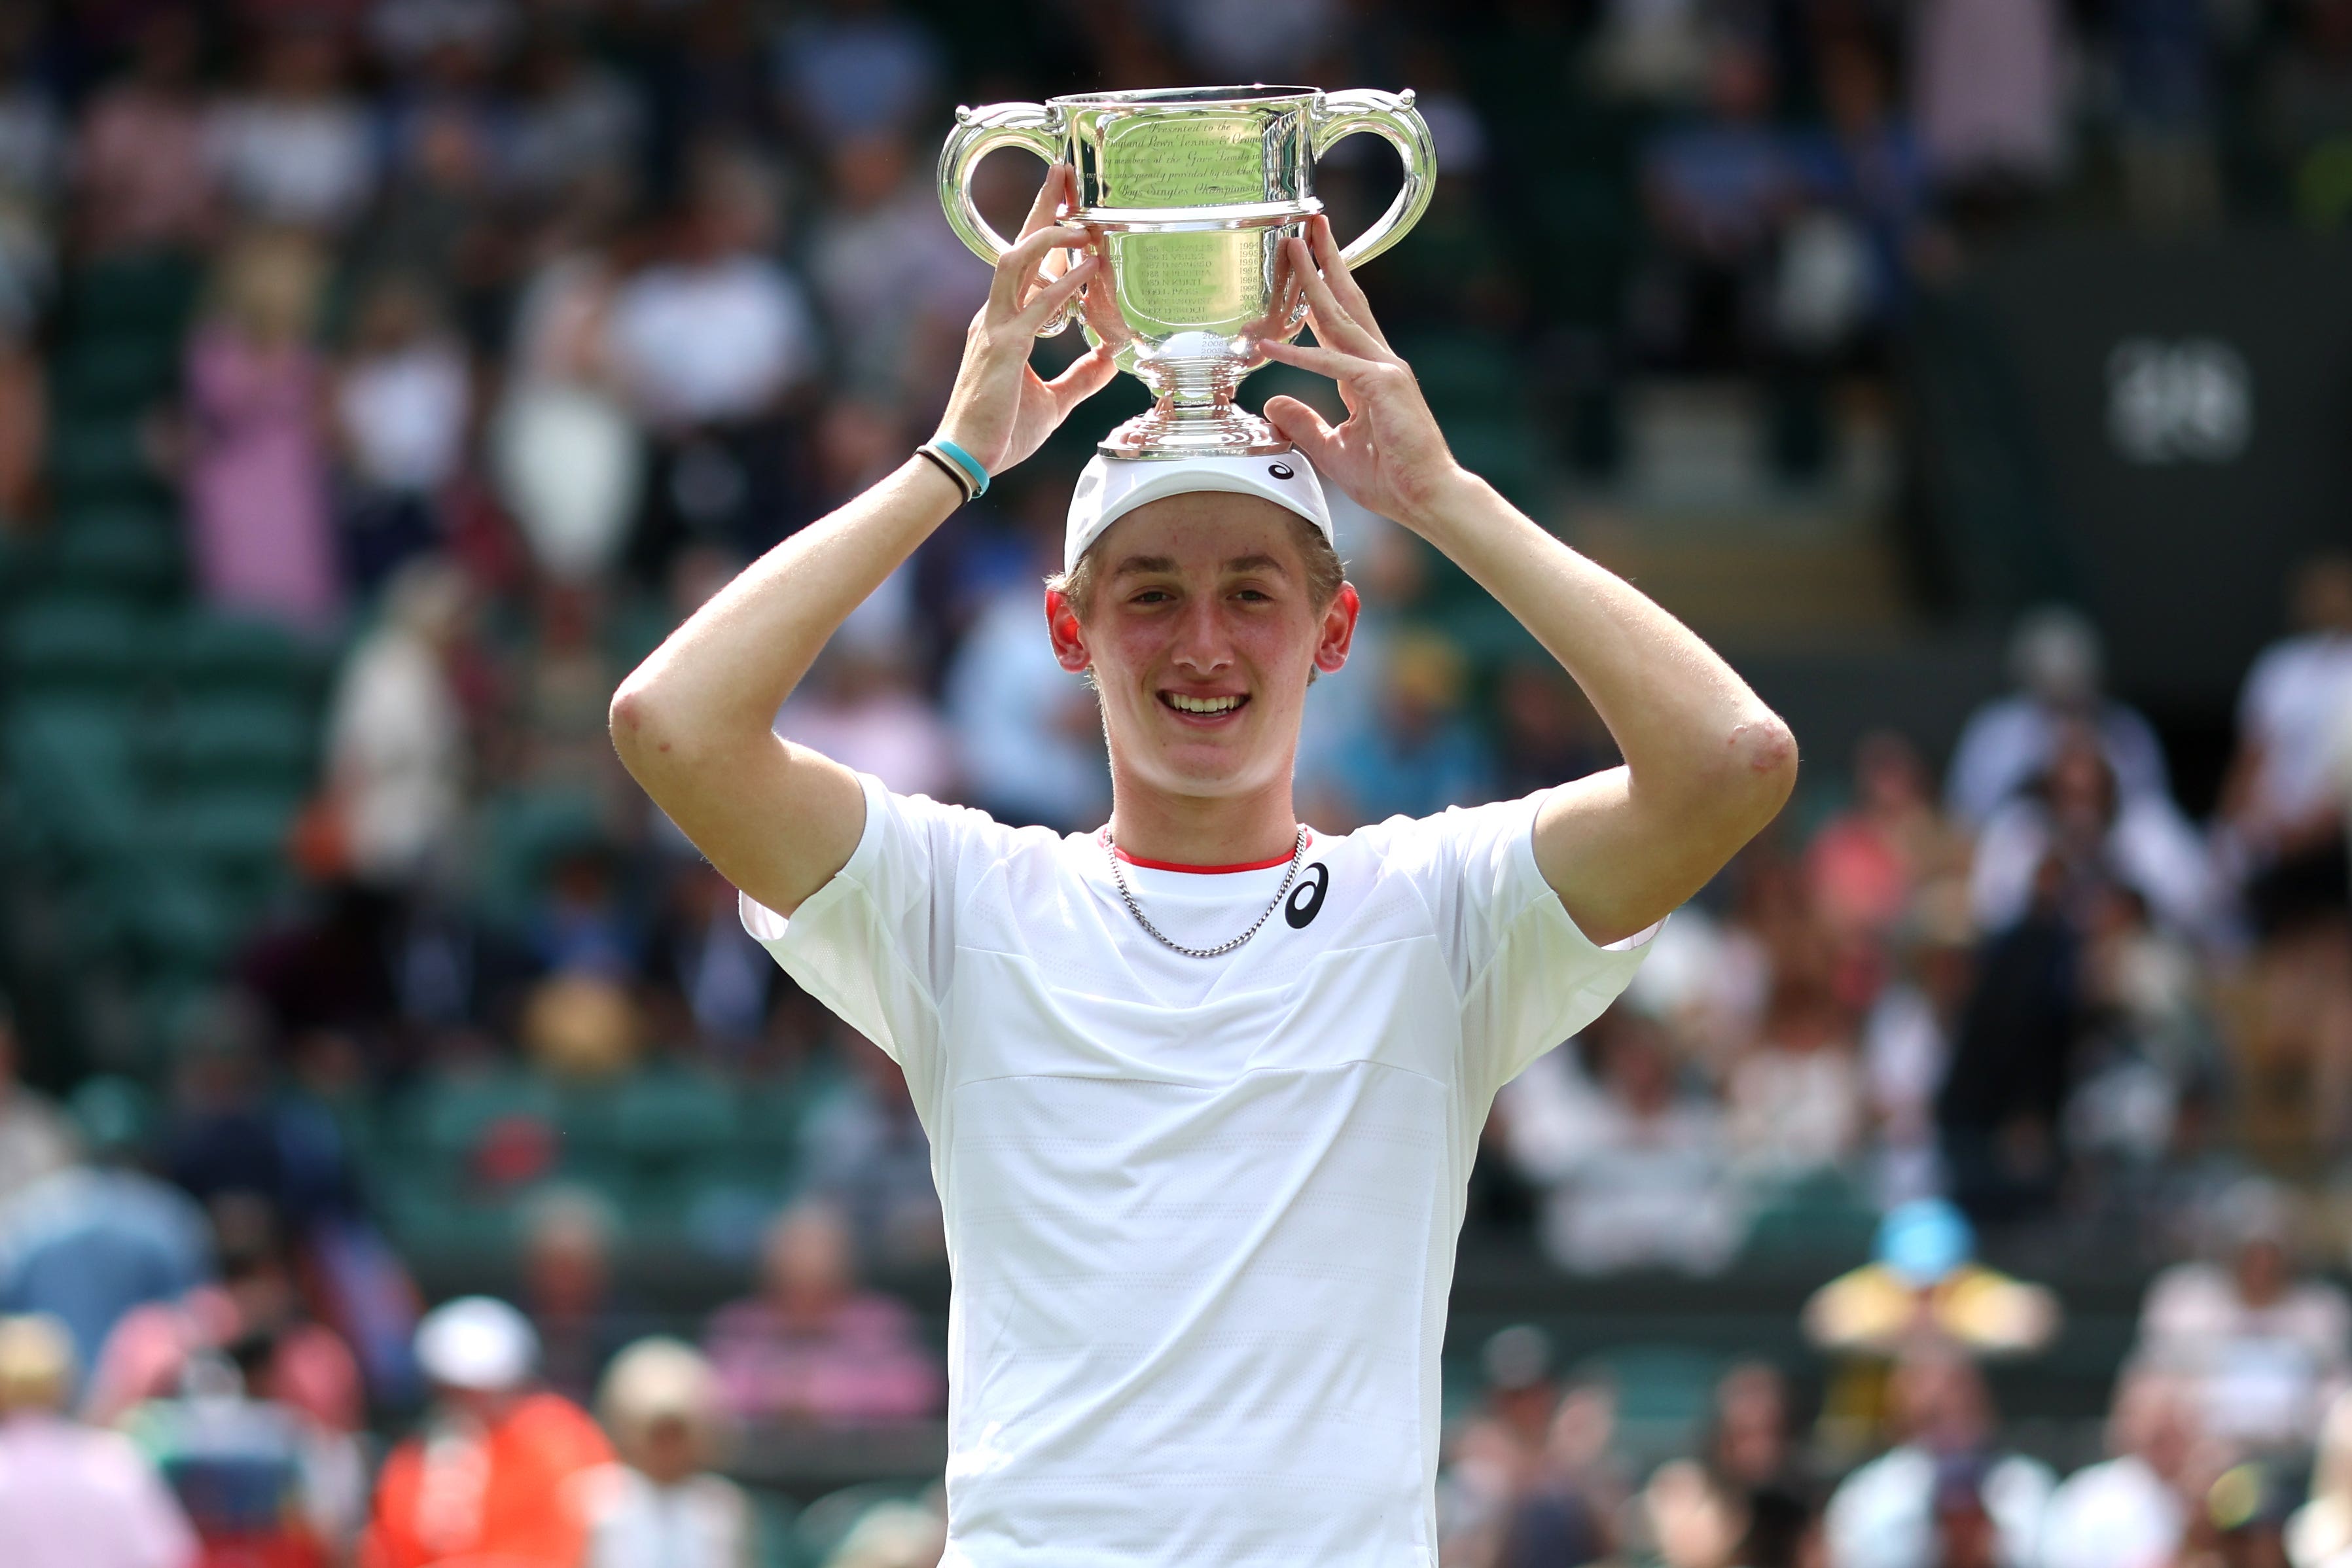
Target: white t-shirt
{"type": "Point", "coordinates": [2296, 703]}
{"type": "Point", "coordinates": [1201, 1212]}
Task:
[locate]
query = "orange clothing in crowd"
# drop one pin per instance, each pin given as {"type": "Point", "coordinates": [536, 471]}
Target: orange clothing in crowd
{"type": "Point", "coordinates": [513, 1493]}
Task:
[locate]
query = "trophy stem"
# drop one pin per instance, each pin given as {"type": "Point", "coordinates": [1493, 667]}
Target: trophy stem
{"type": "Point", "coordinates": [1171, 429]}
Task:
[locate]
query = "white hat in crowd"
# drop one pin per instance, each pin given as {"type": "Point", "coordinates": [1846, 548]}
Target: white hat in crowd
{"type": "Point", "coordinates": [1110, 488]}
{"type": "Point", "coordinates": [476, 1342]}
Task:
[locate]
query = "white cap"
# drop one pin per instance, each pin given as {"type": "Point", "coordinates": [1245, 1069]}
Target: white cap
{"type": "Point", "coordinates": [1110, 488]}
{"type": "Point", "coordinates": [478, 1342]}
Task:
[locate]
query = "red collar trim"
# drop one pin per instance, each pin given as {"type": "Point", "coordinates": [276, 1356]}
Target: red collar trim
{"type": "Point", "coordinates": [1201, 870]}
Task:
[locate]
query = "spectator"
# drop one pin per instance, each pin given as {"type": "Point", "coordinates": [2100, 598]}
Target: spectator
{"type": "Point", "coordinates": [1945, 1480]}
{"type": "Point", "coordinates": [296, 149]}
{"type": "Point", "coordinates": [1029, 733]}
{"type": "Point", "coordinates": [1906, 1043]}
{"type": "Point", "coordinates": [91, 1242]}
{"type": "Point", "coordinates": [1549, 731]}
{"type": "Point", "coordinates": [1421, 755]}
{"type": "Point", "coordinates": [142, 180]}
{"type": "Point", "coordinates": [1717, 187]}
{"type": "Point", "coordinates": [1499, 1455]}
{"type": "Point", "coordinates": [567, 1285]}
{"type": "Point", "coordinates": [1631, 1166]}
{"type": "Point", "coordinates": [2320, 1533]}
{"type": "Point", "coordinates": [661, 1504]}
{"type": "Point", "coordinates": [1751, 1433]}
{"type": "Point", "coordinates": [896, 287]}
{"type": "Point", "coordinates": [1795, 1098]}
{"type": "Point", "coordinates": [403, 404]}
{"type": "Point", "coordinates": [567, 457]}
{"type": "Point", "coordinates": [812, 1347]}
{"type": "Point", "coordinates": [1867, 864]}
{"type": "Point", "coordinates": [2076, 819]}
{"type": "Point", "coordinates": [701, 958]}
{"type": "Point", "coordinates": [502, 1469]}
{"type": "Point", "coordinates": [2261, 1351]}
{"type": "Point", "coordinates": [2306, 112]}
{"type": "Point", "coordinates": [856, 68]}
{"type": "Point", "coordinates": [74, 1497]}
{"type": "Point", "coordinates": [2283, 831]}
{"type": "Point", "coordinates": [35, 1139]}
{"type": "Point", "coordinates": [577, 128]}
{"type": "Point", "coordinates": [256, 475]}
{"type": "Point", "coordinates": [2013, 1060]}
{"type": "Point", "coordinates": [398, 759]}
{"type": "Point", "coordinates": [1987, 84]}
{"type": "Point", "coordinates": [2134, 1509]}
{"type": "Point", "coordinates": [2007, 742]}
{"type": "Point", "coordinates": [866, 1151]}
{"type": "Point", "coordinates": [1925, 1285]}
{"type": "Point", "coordinates": [708, 342]}
{"type": "Point", "coordinates": [861, 706]}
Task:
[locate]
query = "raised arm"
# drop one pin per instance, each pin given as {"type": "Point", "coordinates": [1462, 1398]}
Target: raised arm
{"type": "Point", "coordinates": [1707, 763]}
{"type": "Point", "coordinates": [693, 723]}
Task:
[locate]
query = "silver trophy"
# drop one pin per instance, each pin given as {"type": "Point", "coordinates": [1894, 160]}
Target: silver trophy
{"type": "Point", "coordinates": [1189, 193]}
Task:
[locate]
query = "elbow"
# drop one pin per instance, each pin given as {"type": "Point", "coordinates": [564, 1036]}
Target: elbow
{"type": "Point", "coordinates": [1756, 770]}
{"type": "Point", "coordinates": [637, 724]}
{"type": "Point", "coordinates": [1763, 753]}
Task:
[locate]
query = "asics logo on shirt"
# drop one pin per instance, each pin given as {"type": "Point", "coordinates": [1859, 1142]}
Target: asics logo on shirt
{"type": "Point", "coordinates": [1305, 901]}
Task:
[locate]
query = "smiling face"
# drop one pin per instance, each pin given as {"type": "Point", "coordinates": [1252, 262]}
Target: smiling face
{"type": "Point", "coordinates": [1202, 627]}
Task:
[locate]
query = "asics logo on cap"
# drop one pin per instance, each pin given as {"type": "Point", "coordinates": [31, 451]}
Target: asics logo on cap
{"type": "Point", "coordinates": [1282, 470]}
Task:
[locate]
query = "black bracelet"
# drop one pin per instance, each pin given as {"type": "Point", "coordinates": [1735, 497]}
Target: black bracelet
{"type": "Point", "coordinates": [956, 476]}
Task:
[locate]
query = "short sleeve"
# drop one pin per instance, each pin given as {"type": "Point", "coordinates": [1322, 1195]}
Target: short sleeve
{"type": "Point", "coordinates": [876, 943]}
{"type": "Point", "coordinates": [1526, 976]}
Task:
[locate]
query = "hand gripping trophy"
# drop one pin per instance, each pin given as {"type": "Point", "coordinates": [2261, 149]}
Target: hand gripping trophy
{"type": "Point", "coordinates": [1189, 194]}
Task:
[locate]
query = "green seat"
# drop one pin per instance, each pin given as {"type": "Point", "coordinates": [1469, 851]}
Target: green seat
{"type": "Point", "coordinates": [148, 295]}
{"type": "Point", "coordinates": [669, 1120]}
{"type": "Point", "coordinates": [117, 373]}
{"type": "Point", "coordinates": [235, 832]}
{"type": "Point", "coordinates": [78, 644]}
{"type": "Point", "coordinates": [224, 739]}
{"type": "Point", "coordinates": [122, 553]}
{"type": "Point", "coordinates": [210, 651]}
{"type": "Point", "coordinates": [179, 920]}
{"type": "Point", "coordinates": [70, 761]}
{"type": "Point", "coordinates": [447, 1118]}
{"type": "Point", "coordinates": [101, 458]}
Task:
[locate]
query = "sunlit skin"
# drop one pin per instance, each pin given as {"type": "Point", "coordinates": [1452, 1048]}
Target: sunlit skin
{"type": "Point", "coordinates": [1203, 595]}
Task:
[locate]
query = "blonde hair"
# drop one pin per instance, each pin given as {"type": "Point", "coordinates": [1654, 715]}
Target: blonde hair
{"type": "Point", "coordinates": [37, 1363]}
{"type": "Point", "coordinates": [658, 1379]}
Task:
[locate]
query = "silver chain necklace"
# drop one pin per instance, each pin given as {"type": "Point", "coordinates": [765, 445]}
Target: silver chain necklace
{"type": "Point", "coordinates": [1296, 855]}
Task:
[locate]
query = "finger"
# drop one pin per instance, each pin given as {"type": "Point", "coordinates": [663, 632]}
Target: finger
{"type": "Point", "coordinates": [1088, 374]}
{"type": "Point", "coordinates": [1048, 300]}
{"type": "Point", "coordinates": [1340, 367]}
{"type": "Point", "coordinates": [1303, 428]}
{"type": "Point", "coordinates": [1050, 197]}
{"type": "Point", "coordinates": [1019, 265]}
{"type": "Point", "coordinates": [1341, 277]}
{"type": "Point", "coordinates": [1333, 324]}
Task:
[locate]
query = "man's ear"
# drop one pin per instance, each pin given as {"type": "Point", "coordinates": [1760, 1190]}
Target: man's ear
{"type": "Point", "coordinates": [1338, 629]}
{"type": "Point", "coordinates": [1069, 635]}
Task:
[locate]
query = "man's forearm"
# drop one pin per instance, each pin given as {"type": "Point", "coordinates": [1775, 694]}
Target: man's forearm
{"type": "Point", "coordinates": [722, 675]}
{"type": "Point", "coordinates": [1683, 718]}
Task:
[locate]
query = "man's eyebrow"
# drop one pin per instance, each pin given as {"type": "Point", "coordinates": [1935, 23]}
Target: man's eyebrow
{"type": "Point", "coordinates": [1260, 563]}
{"type": "Point", "coordinates": [1143, 564]}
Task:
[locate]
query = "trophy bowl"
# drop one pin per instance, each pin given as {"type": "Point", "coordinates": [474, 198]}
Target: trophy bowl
{"type": "Point", "coordinates": [1188, 193]}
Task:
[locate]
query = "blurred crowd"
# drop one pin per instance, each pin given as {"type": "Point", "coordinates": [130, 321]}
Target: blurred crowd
{"type": "Point", "coordinates": [512, 328]}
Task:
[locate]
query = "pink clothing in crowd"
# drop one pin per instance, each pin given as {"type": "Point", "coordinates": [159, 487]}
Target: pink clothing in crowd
{"type": "Point", "coordinates": [141, 169]}
{"type": "Point", "coordinates": [1987, 87]}
{"type": "Point", "coordinates": [258, 479]}
{"type": "Point", "coordinates": [74, 1497]}
{"type": "Point", "coordinates": [863, 1364]}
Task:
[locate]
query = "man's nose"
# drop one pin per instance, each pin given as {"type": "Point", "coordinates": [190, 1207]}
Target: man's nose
{"type": "Point", "coordinates": [1202, 646]}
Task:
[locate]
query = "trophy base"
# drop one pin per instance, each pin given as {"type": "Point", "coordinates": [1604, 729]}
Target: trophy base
{"type": "Point", "coordinates": [1159, 434]}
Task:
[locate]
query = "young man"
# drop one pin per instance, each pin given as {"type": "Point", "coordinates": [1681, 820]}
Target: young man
{"type": "Point", "coordinates": [1203, 1088]}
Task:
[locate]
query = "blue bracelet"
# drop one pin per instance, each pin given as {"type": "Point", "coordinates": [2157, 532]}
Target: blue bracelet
{"type": "Point", "coordinates": [966, 461]}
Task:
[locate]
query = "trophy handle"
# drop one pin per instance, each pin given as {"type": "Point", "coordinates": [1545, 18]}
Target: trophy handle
{"type": "Point", "coordinates": [1391, 117]}
{"type": "Point", "coordinates": [1033, 128]}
